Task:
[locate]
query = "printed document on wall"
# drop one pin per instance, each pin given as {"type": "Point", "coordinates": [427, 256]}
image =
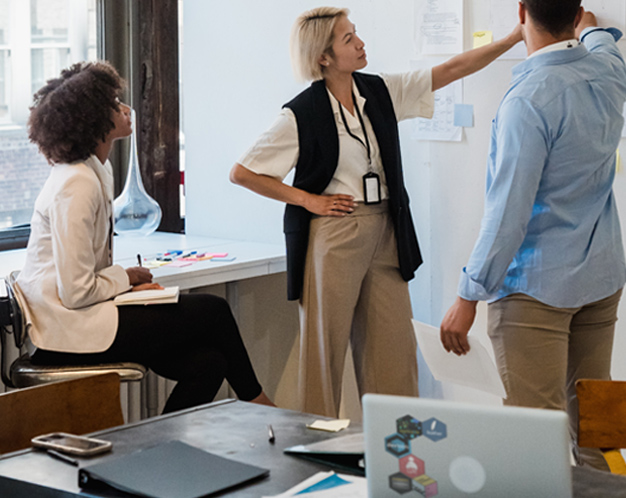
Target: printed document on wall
{"type": "Point", "coordinates": [441, 126]}
{"type": "Point", "coordinates": [439, 26]}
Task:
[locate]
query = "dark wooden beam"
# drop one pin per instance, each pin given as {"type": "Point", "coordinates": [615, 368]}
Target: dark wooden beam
{"type": "Point", "coordinates": [156, 100]}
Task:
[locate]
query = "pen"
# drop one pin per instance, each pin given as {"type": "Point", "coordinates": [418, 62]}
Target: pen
{"type": "Point", "coordinates": [270, 432]}
{"type": "Point", "coordinates": [139, 259]}
{"type": "Point", "coordinates": [62, 457]}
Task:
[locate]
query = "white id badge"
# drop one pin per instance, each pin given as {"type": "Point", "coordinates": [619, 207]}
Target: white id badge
{"type": "Point", "coordinates": [371, 188]}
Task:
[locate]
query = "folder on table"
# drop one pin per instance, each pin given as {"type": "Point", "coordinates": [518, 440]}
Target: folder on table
{"type": "Point", "coordinates": [169, 470]}
{"type": "Point", "coordinates": [345, 452]}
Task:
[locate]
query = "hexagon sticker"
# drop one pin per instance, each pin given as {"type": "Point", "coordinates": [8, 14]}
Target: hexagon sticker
{"type": "Point", "coordinates": [409, 427]}
{"type": "Point", "coordinates": [434, 429]}
{"type": "Point", "coordinates": [425, 485]}
{"type": "Point", "coordinates": [397, 445]}
{"type": "Point", "coordinates": [400, 483]}
{"type": "Point", "coordinates": [412, 466]}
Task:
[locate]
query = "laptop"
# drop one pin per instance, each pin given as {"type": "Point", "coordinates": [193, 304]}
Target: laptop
{"type": "Point", "coordinates": [418, 447]}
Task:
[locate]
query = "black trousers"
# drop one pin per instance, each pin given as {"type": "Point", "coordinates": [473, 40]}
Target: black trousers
{"type": "Point", "coordinates": [195, 342]}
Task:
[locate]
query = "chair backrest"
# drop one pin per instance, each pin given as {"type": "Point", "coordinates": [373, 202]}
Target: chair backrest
{"type": "Point", "coordinates": [602, 413]}
{"type": "Point", "coordinates": [76, 406]}
{"type": "Point", "coordinates": [11, 323]}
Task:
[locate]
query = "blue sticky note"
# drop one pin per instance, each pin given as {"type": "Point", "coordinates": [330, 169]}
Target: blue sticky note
{"type": "Point", "coordinates": [464, 115]}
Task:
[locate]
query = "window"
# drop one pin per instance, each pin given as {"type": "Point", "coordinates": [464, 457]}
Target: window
{"type": "Point", "coordinates": [37, 39]}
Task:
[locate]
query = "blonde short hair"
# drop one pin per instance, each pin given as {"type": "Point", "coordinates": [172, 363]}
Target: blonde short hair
{"type": "Point", "coordinates": [311, 37]}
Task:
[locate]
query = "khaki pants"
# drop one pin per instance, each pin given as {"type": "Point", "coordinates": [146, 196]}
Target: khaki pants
{"type": "Point", "coordinates": [353, 294]}
{"type": "Point", "coordinates": [541, 351]}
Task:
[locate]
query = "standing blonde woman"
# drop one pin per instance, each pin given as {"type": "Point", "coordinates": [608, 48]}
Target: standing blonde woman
{"type": "Point", "coordinates": [351, 244]}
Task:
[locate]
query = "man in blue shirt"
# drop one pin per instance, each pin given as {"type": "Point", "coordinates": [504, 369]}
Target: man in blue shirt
{"type": "Point", "coordinates": [549, 256]}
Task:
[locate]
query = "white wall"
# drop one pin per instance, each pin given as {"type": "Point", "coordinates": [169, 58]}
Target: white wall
{"type": "Point", "coordinates": [237, 75]}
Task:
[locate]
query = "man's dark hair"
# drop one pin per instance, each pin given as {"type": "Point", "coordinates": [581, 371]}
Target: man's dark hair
{"type": "Point", "coordinates": [554, 16]}
{"type": "Point", "coordinates": [71, 114]}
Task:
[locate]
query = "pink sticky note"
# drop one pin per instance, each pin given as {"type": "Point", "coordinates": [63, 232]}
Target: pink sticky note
{"type": "Point", "coordinates": [216, 254]}
{"type": "Point", "coordinates": [178, 264]}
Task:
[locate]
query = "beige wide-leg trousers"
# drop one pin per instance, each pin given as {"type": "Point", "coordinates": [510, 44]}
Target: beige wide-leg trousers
{"type": "Point", "coordinates": [353, 294]}
{"type": "Point", "coordinates": [541, 351]}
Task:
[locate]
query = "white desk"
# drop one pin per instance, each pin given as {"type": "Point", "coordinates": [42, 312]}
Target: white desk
{"type": "Point", "coordinates": [252, 259]}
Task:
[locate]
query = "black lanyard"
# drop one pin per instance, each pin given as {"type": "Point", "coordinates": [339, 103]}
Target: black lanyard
{"type": "Point", "coordinates": [345, 124]}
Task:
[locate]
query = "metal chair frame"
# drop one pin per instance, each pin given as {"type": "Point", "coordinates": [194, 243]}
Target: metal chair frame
{"type": "Point", "coordinates": [21, 372]}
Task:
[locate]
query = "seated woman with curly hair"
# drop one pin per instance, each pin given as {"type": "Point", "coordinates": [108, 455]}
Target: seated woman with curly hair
{"type": "Point", "coordinates": [69, 278]}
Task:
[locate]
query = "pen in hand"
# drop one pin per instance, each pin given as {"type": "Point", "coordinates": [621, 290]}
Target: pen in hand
{"type": "Point", "coordinates": [270, 431]}
{"type": "Point", "coordinates": [139, 259]}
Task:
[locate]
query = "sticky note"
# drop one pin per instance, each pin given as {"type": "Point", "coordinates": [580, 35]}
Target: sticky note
{"type": "Point", "coordinates": [154, 264]}
{"type": "Point", "coordinates": [482, 38]}
{"type": "Point", "coordinates": [215, 254]}
{"type": "Point", "coordinates": [330, 425]}
{"type": "Point", "coordinates": [618, 162]}
{"type": "Point", "coordinates": [178, 264]}
{"type": "Point", "coordinates": [464, 115]}
{"type": "Point", "coordinates": [225, 258]}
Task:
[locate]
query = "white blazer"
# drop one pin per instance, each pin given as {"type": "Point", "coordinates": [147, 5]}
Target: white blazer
{"type": "Point", "coordinates": [68, 280]}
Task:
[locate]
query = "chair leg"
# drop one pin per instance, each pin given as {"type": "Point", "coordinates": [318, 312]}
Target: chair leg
{"type": "Point", "coordinates": [150, 395]}
{"type": "Point", "coordinates": [134, 401]}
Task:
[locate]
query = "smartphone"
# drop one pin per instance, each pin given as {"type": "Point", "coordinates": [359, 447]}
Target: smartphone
{"type": "Point", "coordinates": [72, 444]}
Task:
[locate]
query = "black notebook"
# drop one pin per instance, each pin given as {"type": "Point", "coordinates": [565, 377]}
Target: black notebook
{"type": "Point", "coordinates": [169, 470]}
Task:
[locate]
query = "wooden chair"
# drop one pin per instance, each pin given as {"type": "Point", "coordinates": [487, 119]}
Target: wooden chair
{"type": "Point", "coordinates": [602, 419]}
{"type": "Point", "coordinates": [76, 406]}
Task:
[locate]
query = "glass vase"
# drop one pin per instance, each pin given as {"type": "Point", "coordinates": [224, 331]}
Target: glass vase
{"type": "Point", "coordinates": [135, 212]}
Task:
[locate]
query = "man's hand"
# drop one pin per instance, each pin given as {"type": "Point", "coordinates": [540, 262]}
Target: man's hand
{"type": "Point", "coordinates": [588, 20]}
{"type": "Point", "coordinates": [456, 325]}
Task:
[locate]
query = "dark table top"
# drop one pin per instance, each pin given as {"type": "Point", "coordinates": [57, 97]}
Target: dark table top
{"type": "Point", "coordinates": [232, 429]}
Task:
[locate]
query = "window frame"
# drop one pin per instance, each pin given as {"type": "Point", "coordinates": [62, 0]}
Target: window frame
{"type": "Point", "coordinates": [141, 26]}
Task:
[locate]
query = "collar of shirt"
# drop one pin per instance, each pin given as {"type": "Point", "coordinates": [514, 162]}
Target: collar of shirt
{"type": "Point", "coordinates": [562, 45]}
{"type": "Point", "coordinates": [360, 101]}
{"type": "Point", "coordinates": [104, 173]}
{"type": "Point", "coordinates": [549, 58]}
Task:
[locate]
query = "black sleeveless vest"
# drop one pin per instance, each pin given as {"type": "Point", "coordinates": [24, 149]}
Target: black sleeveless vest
{"type": "Point", "coordinates": [317, 162]}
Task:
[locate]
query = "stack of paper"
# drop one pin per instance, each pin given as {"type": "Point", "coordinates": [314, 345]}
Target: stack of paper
{"type": "Point", "coordinates": [155, 296]}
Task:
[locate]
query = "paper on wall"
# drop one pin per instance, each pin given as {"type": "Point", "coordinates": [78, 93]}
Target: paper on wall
{"type": "Point", "coordinates": [439, 26]}
{"type": "Point", "coordinates": [441, 126]}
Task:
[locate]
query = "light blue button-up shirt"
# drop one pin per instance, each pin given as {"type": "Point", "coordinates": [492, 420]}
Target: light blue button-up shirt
{"type": "Point", "coordinates": [550, 227]}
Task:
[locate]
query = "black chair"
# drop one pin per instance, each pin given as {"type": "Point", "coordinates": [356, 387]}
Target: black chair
{"type": "Point", "coordinates": [17, 369]}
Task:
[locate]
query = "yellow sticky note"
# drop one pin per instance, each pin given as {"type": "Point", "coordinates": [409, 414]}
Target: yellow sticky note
{"type": "Point", "coordinates": [482, 38]}
{"type": "Point", "coordinates": [330, 425]}
{"type": "Point", "coordinates": [618, 162]}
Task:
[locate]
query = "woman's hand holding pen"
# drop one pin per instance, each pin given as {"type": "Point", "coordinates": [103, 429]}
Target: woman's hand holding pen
{"type": "Point", "coordinates": [329, 205]}
{"type": "Point", "coordinates": [141, 279]}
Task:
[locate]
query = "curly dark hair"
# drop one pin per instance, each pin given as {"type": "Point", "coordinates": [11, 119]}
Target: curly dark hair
{"type": "Point", "coordinates": [71, 114]}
